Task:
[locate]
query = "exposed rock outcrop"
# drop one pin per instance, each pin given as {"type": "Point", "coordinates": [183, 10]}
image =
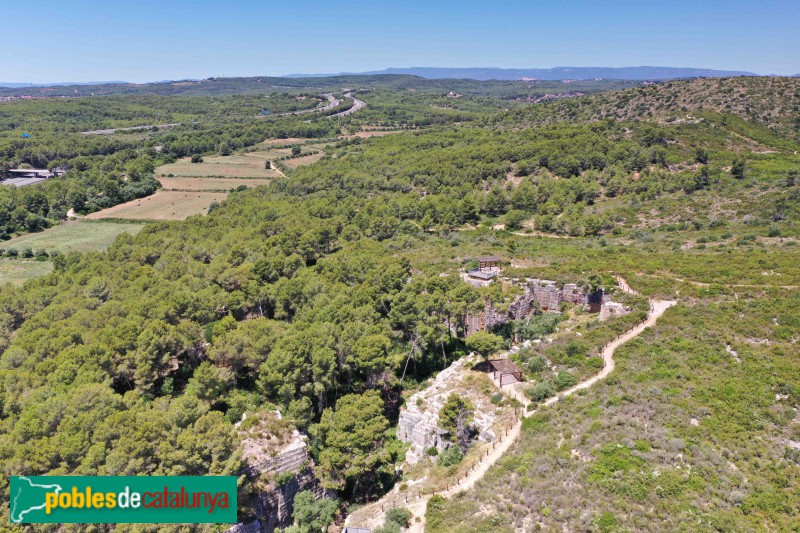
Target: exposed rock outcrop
{"type": "Point", "coordinates": [612, 309]}
{"type": "Point", "coordinates": [419, 418]}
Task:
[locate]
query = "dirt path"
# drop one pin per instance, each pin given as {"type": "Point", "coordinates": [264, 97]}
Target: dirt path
{"type": "Point", "coordinates": [373, 515]}
{"type": "Point", "coordinates": [276, 169]}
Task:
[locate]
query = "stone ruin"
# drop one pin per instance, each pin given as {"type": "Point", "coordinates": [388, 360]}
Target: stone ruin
{"type": "Point", "coordinates": [539, 294]}
{"type": "Point", "coordinates": [419, 417]}
{"type": "Point", "coordinates": [547, 294]}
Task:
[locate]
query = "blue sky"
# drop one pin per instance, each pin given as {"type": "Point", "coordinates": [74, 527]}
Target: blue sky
{"type": "Point", "coordinates": [148, 40]}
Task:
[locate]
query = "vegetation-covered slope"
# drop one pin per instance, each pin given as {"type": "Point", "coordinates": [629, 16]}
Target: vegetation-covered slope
{"type": "Point", "coordinates": [771, 101]}
{"type": "Point", "coordinates": [317, 293]}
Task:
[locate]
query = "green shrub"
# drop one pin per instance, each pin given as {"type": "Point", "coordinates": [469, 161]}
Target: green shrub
{"type": "Point", "coordinates": [541, 391]}
{"type": "Point", "coordinates": [398, 515]}
{"type": "Point", "coordinates": [564, 380]}
{"type": "Point", "coordinates": [282, 478]}
{"type": "Point", "coordinates": [451, 456]}
{"type": "Point", "coordinates": [537, 364]}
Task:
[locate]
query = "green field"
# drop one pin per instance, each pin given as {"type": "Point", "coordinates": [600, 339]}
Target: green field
{"type": "Point", "coordinates": [75, 236]}
{"type": "Point", "coordinates": [18, 272]}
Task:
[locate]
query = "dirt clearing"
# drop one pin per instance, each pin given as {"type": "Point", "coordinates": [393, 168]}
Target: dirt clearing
{"type": "Point", "coordinates": [209, 184]}
{"type": "Point", "coordinates": [163, 205]}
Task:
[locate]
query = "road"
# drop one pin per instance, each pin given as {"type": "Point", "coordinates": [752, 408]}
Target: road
{"type": "Point", "coordinates": [357, 104]}
{"type": "Point", "coordinates": [332, 102]}
{"type": "Point", "coordinates": [373, 515]}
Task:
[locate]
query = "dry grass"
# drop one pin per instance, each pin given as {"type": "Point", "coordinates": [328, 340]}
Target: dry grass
{"type": "Point", "coordinates": [305, 160]}
{"type": "Point", "coordinates": [209, 184]}
{"type": "Point", "coordinates": [250, 165]}
{"type": "Point", "coordinates": [366, 134]}
{"type": "Point", "coordinates": [290, 140]}
{"type": "Point", "coordinates": [163, 205]}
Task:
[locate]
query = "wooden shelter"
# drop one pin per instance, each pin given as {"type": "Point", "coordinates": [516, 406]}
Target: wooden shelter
{"type": "Point", "coordinates": [505, 371]}
{"type": "Point", "coordinates": [488, 263]}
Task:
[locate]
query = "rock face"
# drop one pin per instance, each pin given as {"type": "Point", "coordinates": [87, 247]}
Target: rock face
{"type": "Point", "coordinates": [275, 504]}
{"type": "Point", "coordinates": [291, 458]}
{"type": "Point", "coordinates": [612, 309]}
{"type": "Point", "coordinates": [419, 418]}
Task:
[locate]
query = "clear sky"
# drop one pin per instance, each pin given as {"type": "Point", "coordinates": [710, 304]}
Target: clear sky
{"type": "Point", "coordinates": [148, 40]}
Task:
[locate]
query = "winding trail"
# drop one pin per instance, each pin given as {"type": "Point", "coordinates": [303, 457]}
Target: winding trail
{"type": "Point", "coordinates": [373, 515]}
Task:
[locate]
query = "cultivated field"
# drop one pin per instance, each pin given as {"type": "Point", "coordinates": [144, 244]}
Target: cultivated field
{"type": "Point", "coordinates": [367, 134]}
{"type": "Point", "coordinates": [292, 140]}
{"type": "Point", "coordinates": [305, 160]}
{"type": "Point", "coordinates": [73, 236]}
{"type": "Point", "coordinates": [17, 272]}
{"type": "Point", "coordinates": [163, 205]}
{"type": "Point", "coordinates": [184, 183]}
{"type": "Point", "coordinates": [250, 165]}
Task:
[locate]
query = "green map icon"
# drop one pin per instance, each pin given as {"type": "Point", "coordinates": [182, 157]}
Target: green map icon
{"type": "Point", "coordinates": [27, 499]}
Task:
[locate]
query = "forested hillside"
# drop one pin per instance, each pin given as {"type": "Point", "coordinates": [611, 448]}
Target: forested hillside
{"type": "Point", "coordinates": [328, 293]}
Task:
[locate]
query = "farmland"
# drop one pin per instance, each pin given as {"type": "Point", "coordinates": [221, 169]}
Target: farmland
{"type": "Point", "coordinates": [250, 165]}
{"type": "Point", "coordinates": [74, 236]}
{"type": "Point", "coordinates": [163, 205]}
{"type": "Point", "coordinates": [184, 183]}
{"type": "Point", "coordinates": [304, 160]}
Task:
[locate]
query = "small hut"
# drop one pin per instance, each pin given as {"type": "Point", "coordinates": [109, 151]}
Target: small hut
{"type": "Point", "coordinates": [505, 371]}
{"type": "Point", "coordinates": [488, 264]}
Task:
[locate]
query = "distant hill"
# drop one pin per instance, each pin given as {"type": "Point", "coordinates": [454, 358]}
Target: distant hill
{"type": "Point", "coordinates": [262, 84]}
{"type": "Point", "coordinates": [56, 84]}
{"type": "Point", "coordinates": [549, 74]}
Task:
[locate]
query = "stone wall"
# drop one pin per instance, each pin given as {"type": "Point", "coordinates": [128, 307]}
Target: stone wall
{"type": "Point", "coordinates": [521, 307]}
{"type": "Point", "coordinates": [541, 293]}
{"type": "Point", "coordinates": [547, 295]}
